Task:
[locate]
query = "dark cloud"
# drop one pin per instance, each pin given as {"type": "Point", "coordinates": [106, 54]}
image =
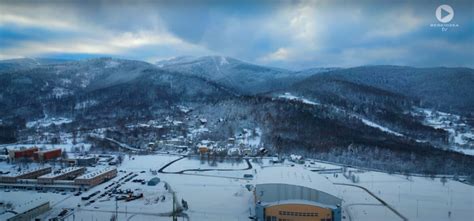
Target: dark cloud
{"type": "Point", "coordinates": [290, 34]}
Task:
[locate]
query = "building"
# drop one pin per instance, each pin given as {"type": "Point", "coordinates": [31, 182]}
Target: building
{"type": "Point", "coordinates": [276, 160]}
{"type": "Point", "coordinates": [234, 151]}
{"type": "Point", "coordinates": [247, 152]}
{"type": "Point", "coordinates": [27, 174]}
{"type": "Point", "coordinates": [205, 146]}
{"type": "Point", "coordinates": [34, 153]}
{"type": "Point", "coordinates": [296, 158]}
{"type": "Point", "coordinates": [202, 120]}
{"type": "Point", "coordinates": [64, 174]}
{"type": "Point", "coordinates": [295, 194]}
{"type": "Point", "coordinates": [28, 214]}
{"type": "Point", "coordinates": [47, 154]}
{"type": "Point", "coordinates": [203, 150]}
{"type": "Point", "coordinates": [278, 201]}
{"type": "Point", "coordinates": [84, 161]}
{"type": "Point", "coordinates": [96, 178]}
{"type": "Point", "coordinates": [22, 153]}
{"type": "Point", "coordinates": [151, 146]}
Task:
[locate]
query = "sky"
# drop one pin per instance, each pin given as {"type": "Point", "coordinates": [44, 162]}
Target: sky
{"type": "Point", "coordinates": [287, 34]}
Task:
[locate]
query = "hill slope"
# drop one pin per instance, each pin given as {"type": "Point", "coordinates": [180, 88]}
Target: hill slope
{"type": "Point", "coordinates": [450, 89]}
{"type": "Point", "coordinates": [98, 85]}
{"type": "Point", "coordinates": [242, 77]}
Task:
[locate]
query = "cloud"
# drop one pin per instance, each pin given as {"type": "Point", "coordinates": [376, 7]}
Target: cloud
{"type": "Point", "coordinates": [142, 38]}
{"type": "Point", "coordinates": [394, 23]}
{"type": "Point", "coordinates": [106, 36]}
{"type": "Point", "coordinates": [304, 24]}
{"type": "Point", "coordinates": [280, 54]}
{"type": "Point", "coordinates": [8, 18]}
{"type": "Point", "coordinates": [289, 34]}
{"type": "Point", "coordinates": [384, 55]}
{"type": "Point", "coordinates": [108, 43]}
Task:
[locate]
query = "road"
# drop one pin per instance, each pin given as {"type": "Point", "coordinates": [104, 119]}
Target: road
{"type": "Point", "coordinates": [161, 170]}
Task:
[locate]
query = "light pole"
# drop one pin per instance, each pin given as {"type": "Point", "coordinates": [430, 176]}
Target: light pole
{"type": "Point", "coordinates": [417, 208]}
{"type": "Point", "coordinates": [398, 193]}
{"type": "Point", "coordinates": [116, 210]}
{"type": "Point", "coordinates": [372, 183]}
{"type": "Point", "coordinates": [175, 218]}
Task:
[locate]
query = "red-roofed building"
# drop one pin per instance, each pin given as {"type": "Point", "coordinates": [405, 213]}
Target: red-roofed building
{"type": "Point", "coordinates": [25, 153]}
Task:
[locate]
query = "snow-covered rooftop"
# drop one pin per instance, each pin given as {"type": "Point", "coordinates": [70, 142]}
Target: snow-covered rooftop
{"type": "Point", "coordinates": [23, 207]}
{"type": "Point", "coordinates": [62, 172]}
{"type": "Point", "coordinates": [296, 176]}
{"type": "Point", "coordinates": [306, 202]}
{"type": "Point", "coordinates": [25, 171]}
{"type": "Point", "coordinates": [96, 173]}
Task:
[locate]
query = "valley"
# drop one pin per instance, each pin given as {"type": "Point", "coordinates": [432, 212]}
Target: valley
{"type": "Point", "coordinates": [383, 153]}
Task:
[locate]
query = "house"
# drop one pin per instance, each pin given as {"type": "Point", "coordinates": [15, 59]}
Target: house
{"type": "Point", "coordinates": [202, 120]}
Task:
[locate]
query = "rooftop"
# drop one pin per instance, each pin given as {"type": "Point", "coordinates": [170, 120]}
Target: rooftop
{"type": "Point", "coordinates": [296, 176]}
{"type": "Point", "coordinates": [306, 202]}
{"type": "Point", "coordinates": [96, 173]}
{"type": "Point", "coordinates": [269, 193]}
{"type": "Point", "coordinates": [62, 172]}
{"type": "Point", "coordinates": [23, 207]}
{"type": "Point", "coordinates": [25, 172]}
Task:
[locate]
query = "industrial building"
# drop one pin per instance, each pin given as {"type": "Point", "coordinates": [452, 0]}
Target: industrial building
{"type": "Point", "coordinates": [27, 174]}
{"type": "Point", "coordinates": [69, 178]}
{"type": "Point", "coordinates": [34, 153]}
{"type": "Point", "coordinates": [85, 160]}
{"type": "Point", "coordinates": [28, 214]}
{"type": "Point", "coordinates": [64, 174]}
{"type": "Point", "coordinates": [23, 153]}
{"type": "Point", "coordinates": [96, 178]}
{"type": "Point", "coordinates": [47, 154]}
{"type": "Point", "coordinates": [297, 195]}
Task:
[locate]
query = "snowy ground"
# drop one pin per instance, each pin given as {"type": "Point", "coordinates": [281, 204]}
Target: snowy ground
{"type": "Point", "coordinates": [464, 150]}
{"type": "Point", "coordinates": [196, 163]}
{"type": "Point", "coordinates": [289, 96]}
{"type": "Point", "coordinates": [461, 135]}
{"type": "Point", "coordinates": [249, 138]}
{"type": "Point", "coordinates": [46, 122]}
{"type": "Point", "coordinates": [417, 198]}
{"type": "Point", "coordinates": [222, 195]}
{"type": "Point", "coordinates": [380, 127]}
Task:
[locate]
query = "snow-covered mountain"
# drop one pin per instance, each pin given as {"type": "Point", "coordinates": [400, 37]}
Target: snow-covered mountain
{"type": "Point", "coordinates": [451, 89]}
{"type": "Point", "coordinates": [242, 77]}
{"type": "Point", "coordinates": [96, 85]}
{"type": "Point", "coordinates": [26, 63]}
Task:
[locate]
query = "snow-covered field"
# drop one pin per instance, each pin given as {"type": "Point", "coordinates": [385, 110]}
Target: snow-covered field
{"type": "Point", "coordinates": [417, 198]}
{"type": "Point", "coordinates": [250, 138]}
{"type": "Point", "coordinates": [222, 195]}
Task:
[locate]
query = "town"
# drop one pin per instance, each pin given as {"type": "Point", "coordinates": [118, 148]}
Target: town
{"type": "Point", "coordinates": [169, 181]}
